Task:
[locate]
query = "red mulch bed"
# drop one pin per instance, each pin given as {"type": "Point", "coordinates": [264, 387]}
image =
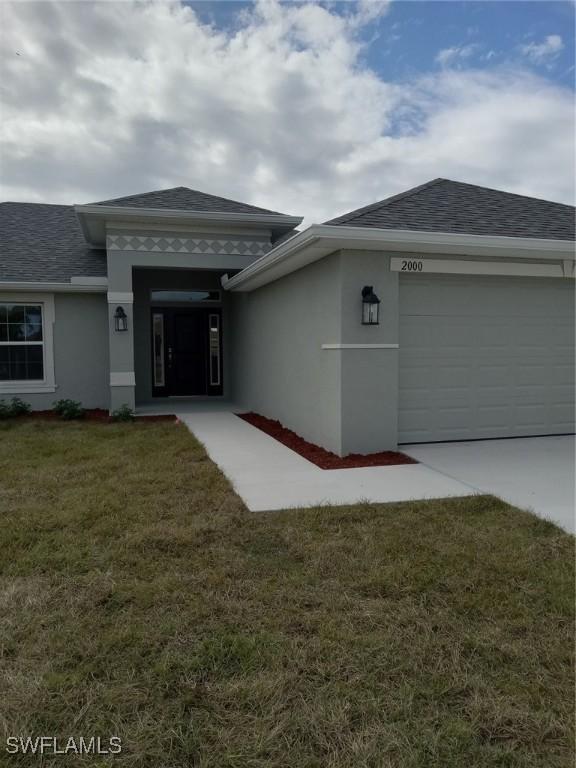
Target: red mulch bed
{"type": "Point", "coordinates": [319, 456]}
{"type": "Point", "coordinates": [92, 414]}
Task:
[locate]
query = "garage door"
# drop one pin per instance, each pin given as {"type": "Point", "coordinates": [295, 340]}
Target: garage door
{"type": "Point", "coordinates": [484, 357]}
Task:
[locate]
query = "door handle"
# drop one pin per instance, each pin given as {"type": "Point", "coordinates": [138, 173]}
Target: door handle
{"type": "Point", "coordinates": [170, 356]}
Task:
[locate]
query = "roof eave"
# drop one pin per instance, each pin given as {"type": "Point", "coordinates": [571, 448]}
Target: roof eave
{"type": "Point", "coordinates": [321, 239]}
{"type": "Point", "coordinates": [117, 211]}
{"type": "Point", "coordinates": [74, 285]}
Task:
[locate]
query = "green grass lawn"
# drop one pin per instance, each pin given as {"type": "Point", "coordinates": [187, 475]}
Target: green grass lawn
{"type": "Point", "coordinates": [139, 598]}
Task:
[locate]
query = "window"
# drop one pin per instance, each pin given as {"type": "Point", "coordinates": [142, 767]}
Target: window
{"type": "Point", "coordinates": [214, 342]}
{"type": "Point", "coordinates": [184, 297]}
{"type": "Point", "coordinates": [158, 349]}
{"type": "Point", "coordinates": [21, 342]}
{"type": "Point", "coordinates": [26, 354]}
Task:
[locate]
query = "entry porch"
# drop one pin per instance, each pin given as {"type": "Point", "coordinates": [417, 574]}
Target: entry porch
{"type": "Point", "coordinates": [170, 340]}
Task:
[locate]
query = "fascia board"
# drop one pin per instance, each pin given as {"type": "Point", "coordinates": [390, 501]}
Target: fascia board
{"type": "Point", "coordinates": [75, 287]}
{"type": "Point", "coordinates": [452, 240]}
{"type": "Point", "coordinates": [118, 212]}
{"type": "Point", "coordinates": [320, 239]}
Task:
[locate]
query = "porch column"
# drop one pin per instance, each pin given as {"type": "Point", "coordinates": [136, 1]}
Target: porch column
{"type": "Point", "coordinates": [122, 377]}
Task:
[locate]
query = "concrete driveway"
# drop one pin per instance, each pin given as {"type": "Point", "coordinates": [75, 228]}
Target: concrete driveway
{"type": "Point", "coordinates": [535, 473]}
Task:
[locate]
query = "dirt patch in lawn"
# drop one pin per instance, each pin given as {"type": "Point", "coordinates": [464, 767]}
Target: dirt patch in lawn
{"type": "Point", "coordinates": [320, 456]}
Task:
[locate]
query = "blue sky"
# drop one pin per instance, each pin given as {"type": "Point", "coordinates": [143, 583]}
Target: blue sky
{"type": "Point", "coordinates": [406, 41]}
{"type": "Point", "coordinates": [411, 35]}
{"type": "Point", "coordinates": [312, 108]}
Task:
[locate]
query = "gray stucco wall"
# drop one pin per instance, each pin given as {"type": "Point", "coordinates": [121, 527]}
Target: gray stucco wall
{"type": "Point", "coordinates": [369, 399]}
{"type": "Point", "coordinates": [80, 352]}
{"type": "Point", "coordinates": [121, 262]}
{"type": "Point", "coordinates": [279, 368]}
{"type": "Point", "coordinates": [344, 399]}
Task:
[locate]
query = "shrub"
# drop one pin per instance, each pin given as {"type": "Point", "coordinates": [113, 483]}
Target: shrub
{"type": "Point", "coordinates": [69, 409]}
{"type": "Point", "coordinates": [15, 407]}
{"type": "Point", "coordinates": [124, 413]}
{"type": "Point", "coordinates": [18, 407]}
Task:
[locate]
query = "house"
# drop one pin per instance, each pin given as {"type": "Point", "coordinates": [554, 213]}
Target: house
{"type": "Point", "coordinates": [442, 313]}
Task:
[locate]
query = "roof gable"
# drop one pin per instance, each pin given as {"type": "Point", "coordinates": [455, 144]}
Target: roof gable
{"type": "Point", "coordinates": [442, 205]}
{"type": "Point", "coordinates": [184, 199]}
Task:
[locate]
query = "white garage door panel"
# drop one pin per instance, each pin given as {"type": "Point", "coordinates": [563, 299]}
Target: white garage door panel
{"type": "Point", "coordinates": [485, 357]}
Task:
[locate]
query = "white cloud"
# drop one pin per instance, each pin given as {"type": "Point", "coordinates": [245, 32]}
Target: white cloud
{"type": "Point", "coordinates": [449, 56]}
{"type": "Point", "coordinates": [545, 52]}
{"type": "Point", "coordinates": [107, 99]}
{"type": "Point", "coordinates": [368, 10]}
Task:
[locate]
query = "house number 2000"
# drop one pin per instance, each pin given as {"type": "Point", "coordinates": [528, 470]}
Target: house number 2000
{"type": "Point", "coordinates": [411, 266]}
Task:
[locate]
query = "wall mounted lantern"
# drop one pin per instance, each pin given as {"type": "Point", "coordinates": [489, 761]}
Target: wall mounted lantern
{"type": "Point", "coordinates": [370, 306]}
{"type": "Point", "coordinates": [120, 319]}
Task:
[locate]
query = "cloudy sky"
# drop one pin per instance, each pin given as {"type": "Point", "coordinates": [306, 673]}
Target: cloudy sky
{"type": "Point", "coordinates": [307, 108]}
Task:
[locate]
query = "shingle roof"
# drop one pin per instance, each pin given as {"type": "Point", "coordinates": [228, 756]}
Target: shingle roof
{"type": "Point", "coordinates": [40, 242]}
{"type": "Point", "coordinates": [184, 199]}
{"type": "Point", "coordinates": [442, 205]}
{"type": "Point", "coordinates": [44, 243]}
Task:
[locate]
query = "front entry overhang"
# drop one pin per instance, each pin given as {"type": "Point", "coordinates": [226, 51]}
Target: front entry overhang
{"type": "Point", "coordinates": [95, 220]}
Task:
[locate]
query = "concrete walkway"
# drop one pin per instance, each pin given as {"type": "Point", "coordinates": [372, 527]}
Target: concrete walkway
{"type": "Point", "coordinates": [269, 476]}
{"type": "Point", "coordinates": [184, 406]}
{"type": "Point", "coordinates": [535, 473]}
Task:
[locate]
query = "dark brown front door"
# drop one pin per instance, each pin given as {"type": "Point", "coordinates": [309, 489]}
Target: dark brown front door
{"type": "Point", "coordinates": [186, 351]}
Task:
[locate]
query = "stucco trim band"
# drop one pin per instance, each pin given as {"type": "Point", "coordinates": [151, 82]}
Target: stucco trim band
{"type": "Point", "coordinates": [360, 346]}
{"type": "Point", "coordinates": [416, 266]}
{"type": "Point", "coordinates": [120, 297]}
{"type": "Point", "coordinates": [122, 379]}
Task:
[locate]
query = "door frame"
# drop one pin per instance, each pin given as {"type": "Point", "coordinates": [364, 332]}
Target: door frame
{"type": "Point", "coordinates": [214, 368]}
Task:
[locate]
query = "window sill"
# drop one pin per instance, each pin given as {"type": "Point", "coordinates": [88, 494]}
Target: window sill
{"type": "Point", "coordinates": [25, 388]}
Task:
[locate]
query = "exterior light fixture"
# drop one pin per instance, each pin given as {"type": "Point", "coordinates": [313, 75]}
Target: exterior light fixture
{"type": "Point", "coordinates": [120, 319]}
{"type": "Point", "coordinates": [370, 306]}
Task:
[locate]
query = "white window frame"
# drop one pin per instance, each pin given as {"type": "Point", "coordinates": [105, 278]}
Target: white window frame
{"type": "Point", "coordinates": [48, 383]}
